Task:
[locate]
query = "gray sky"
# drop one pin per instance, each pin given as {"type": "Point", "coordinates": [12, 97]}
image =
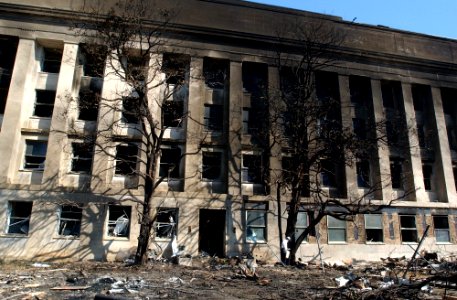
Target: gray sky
{"type": "Point", "coordinates": [433, 17]}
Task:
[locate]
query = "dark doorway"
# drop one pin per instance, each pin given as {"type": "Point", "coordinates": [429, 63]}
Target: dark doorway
{"type": "Point", "coordinates": [212, 232]}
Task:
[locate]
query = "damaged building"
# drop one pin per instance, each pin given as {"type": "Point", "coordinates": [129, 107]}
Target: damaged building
{"type": "Point", "coordinates": [59, 199]}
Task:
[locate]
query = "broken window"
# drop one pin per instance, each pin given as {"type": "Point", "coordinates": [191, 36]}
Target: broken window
{"type": "Point", "coordinates": [360, 89]}
{"type": "Point", "coordinates": [427, 171]}
{"type": "Point", "coordinates": [8, 48]}
{"type": "Point", "coordinates": [44, 103]}
{"type": "Point", "coordinates": [92, 59]}
{"type": "Point", "coordinates": [89, 98]}
{"type": "Point", "coordinates": [408, 229]}
{"type": "Point", "coordinates": [251, 170]}
{"type": "Point", "coordinates": [363, 173]}
{"type": "Point", "coordinates": [256, 222]}
{"type": "Point", "coordinates": [131, 110]}
{"type": "Point", "coordinates": [391, 94]}
{"type": "Point", "coordinates": [374, 228]}
{"type": "Point", "coordinates": [441, 224]}
{"type": "Point", "coordinates": [81, 160]}
{"type": "Point", "coordinates": [328, 174]}
{"type": "Point", "coordinates": [173, 109]}
{"type": "Point", "coordinates": [126, 159]}
{"type": "Point", "coordinates": [215, 72]}
{"type": "Point", "coordinates": [52, 59]}
{"type": "Point", "coordinates": [19, 213]}
{"type": "Point", "coordinates": [70, 220]}
{"type": "Point", "coordinates": [135, 68]}
{"type": "Point", "coordinates": [35, 154]}
{"type": "Point", "coordinates": [336, 230]}
{"type": "Point", "coordinates": [255, 82]}
{"type": "Point", "coordinates": [119, 220]}
{"type": "Point", "coordinates": [213, 117]}
{"type": "Point", "coordinates": [449, 97]}
{"type": "Point", "coordinates": [167, 222]}
{"type": "Point", "coordinates": [396, 172]}
{"type": "Point", "coordinates": [211, 165]}
{"type": "Point", "coordinates": [169, 162]}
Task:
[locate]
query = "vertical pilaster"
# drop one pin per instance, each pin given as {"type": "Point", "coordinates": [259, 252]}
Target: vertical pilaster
{"type": "Point", "coordinates": [10, 134]}
{"type": "Point", "coordinates": [383, 152]}
{"type": "Point", "coordinates": [58, 139]}
{"type": "Point", "coordinates": [235, 128]}
{"type": "Point", "coordinates": [275, 155]}
{"type": "Point", "coordinates": [444, 174]}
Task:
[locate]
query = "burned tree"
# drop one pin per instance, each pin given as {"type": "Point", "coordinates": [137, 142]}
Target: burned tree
{"type": "Point", "coordinates": [315, 139]}
{"type": "Point", "coordinates": [150, 91]}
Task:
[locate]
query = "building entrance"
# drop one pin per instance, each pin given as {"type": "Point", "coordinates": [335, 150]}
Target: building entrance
{"type": "Point", "coordinates": [212, 232]}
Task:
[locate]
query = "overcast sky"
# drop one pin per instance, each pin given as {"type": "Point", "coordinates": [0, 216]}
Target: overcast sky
{"type": "Point", "coordinates": [434, 17]}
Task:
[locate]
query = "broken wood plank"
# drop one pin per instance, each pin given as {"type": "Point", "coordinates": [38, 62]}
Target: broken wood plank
{"type": "Point", "coordinates": [69, 288]}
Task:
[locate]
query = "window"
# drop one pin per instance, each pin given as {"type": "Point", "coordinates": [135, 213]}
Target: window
{"type": "Point", "coordinates": [44, 103]}
{"type": "Point", "coordinates": [119, 220]}
{"type": "Point", "coordinates": [245, 116]}
{"type": "Point", "coordinates": [215, 72]}
{"type": "Point", "coordinates": [359, 127]}
{"type": "Point", "coordinates": [131, 110]}
{"type": "Point", "coordinates": [408, 229]}
{"type": "Point", "coordinates": [251, 170]}
{"type": "Point", "coordinates": [51, 60]}
{"type": "Point", "coordinates": [328, 174]}
{"type": "Point", "coordinates": [135, 67]}
{"type": "Point", "coordinates": [396, 173]}
{"type": "Point", "coordinates": [360, 89]}
{"type": "Point", "coordinates": [92, 58]}
{"type": "Point", "coordinates": [35, 154]}
{"type": "Point", "coordinates": [167, 222]}
{"type": "Point", "coordinates": [302, 223]}
{"type": "Point", "coordinates": [81, 160]}
{"type": "Point", "coordinates": [212, 162]}
{"type": "Point", "coordinates": [363, 174]}
{"type": "Point", "coordinates": [256, 222]}
{"type": "Point", "coordinates": [427, 171]}
{"type": "Point", "coordinates": [213, 117]}
{"type": "Point", "coordinates": [19, 217]}
{"type": "Point", "coordinates": [374, 229]}
{"type": "Point", "coordinates": [173, 111]}
{"type": "Point", "coordinates": [88, 104]}
{"type": "Point", "coordinates": [8, 48]}
{"type": "Point", "coordinates": [336, 230]}
{"type": "Point", "coordinates": [70, 220]}
{"type": "Point", "coordinates": [169, 162]}
{"type": "Point", "coordinates": [126, 159]}
{"type": "Point", "coordinates": [391, 94]}
{"type": "Point", "coordinates": [441, 224]}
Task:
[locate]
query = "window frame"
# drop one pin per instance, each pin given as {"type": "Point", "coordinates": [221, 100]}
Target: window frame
{"type": "Point", "coordinates": [76, 220]}
{"type": "Point", "coordinates": [247, 171]}
{"type": "Point", "coordinates": [176, 173]}
{"type": "Point", "coordinates": [44, 103]}
{"type": "Point", "coordinates": [40, 155]}
{"type": "Point", "coordinates": [447, 229]}
{"type": "Point", "coordinates": [122, 161]}
{"type": "Point", "coordinates": [261, 209]}
{"type": "Point", "coordinates": [213, 117]}
{"type": "Point", "coordinates": [88, 158]}
{"type": "Point", "coordinates": [21, 219]}
{"type": "Point", "coordinates": [373, 228]}
{"type": "Point", "coordinates": [52, 60]}
{"type": "Point", "coordinates": [172, 212]}
{"type": "Point", "coordinates": [408, 229]}
{"type": "Point", "coordinates": [111, 224]}
{"type": "Point", "coordinates": [332, 228]}
{"type": "Point", "coordinates": [220, 177]}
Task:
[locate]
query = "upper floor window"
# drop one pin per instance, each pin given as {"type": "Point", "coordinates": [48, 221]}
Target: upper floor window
{"type": "Point", "coordinates": [251, 170]}
{"type": "Point", "coordinates": [35, 154]}
{"type": "Point", "coordinates": [170, 162]}
{"type": "Point", "coordinates": [211, 165]}
{"type": "Point", "coordinates": [213, 117]}
{"type": "Point", "coordinates": [92, 59]}
{"type": "Point", "coordinates": [89, 98]}
{"type": "Point", "coordinates": [44, 103]}
{"type": "Point", "coordinates": [19, 213]}
{"type": "Point", "coordinates": [82, 155]}
{"type": "Point", "coordinates": [126, 159]}
{"type": "Point", "coordinates": [131, 112]}
{"type": "Point", "coordinates": [52, 59]}
{"type": "Point", "coordinates": [396, 173]}
{"type": "Point", "coordinates": [363, 173]}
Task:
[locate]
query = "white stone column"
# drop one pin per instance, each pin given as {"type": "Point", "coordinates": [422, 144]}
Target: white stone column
{"type": "Point", "coordinates": [444, 174]}
{"type": "Point", "coordinates": [58, 138]}
{"type": "Point", "coordinates": [10, 134]}
{"type": "Point", "coordinates": [275, 156]}
{"type": "Point", "coordinates": [383, 151]}
{"type": "Point", "coordinates": [235, 128]}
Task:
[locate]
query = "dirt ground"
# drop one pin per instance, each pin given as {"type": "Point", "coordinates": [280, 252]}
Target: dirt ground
{"type": "Point", "coordinates": [207, 278]}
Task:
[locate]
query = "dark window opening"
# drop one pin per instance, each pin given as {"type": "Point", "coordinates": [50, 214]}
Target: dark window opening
{"type": "Point", "coordinates": [19, 213]}
{"type": "Point", "coordinates": [166, 225]}
{"type": "Point", "coordinates": [119, 220]}
{"type": "Point", "coordinates": [408, 229]}
{"type": "Point", "coordinates": [391, 94]}
{"type": "Point", "coordinates": [441, 224]}
{"type": "Point", "coordinates": [8, 48]}
{"type": "Point", "coordinates": [126, 159]}
{"type": "Point", "coordinates": [51, 60]}
{"type": "Point", "coordinates": [360, 89]}
{"type": "Point", "coordinates": [327, 87]}
{"type": "Point", "coordinates": [251, 170]}
{"type": "Point", "coordinates": [215, 72]}
{"type": "Point", "coordinates": [35, 154]}
{"type": "Point", "coordinates": [70, 220]}
{"type": "Point", "coordinates": [81, 161]}
{"type": "Point", "coordinates": [170, 162]}
{"type": "Point", "coordinates": [214, 116]}
{"type": "Point", "coordinates": [359, 127]}
{"type": "Point", "coordinates": [173, 113]}
{"type": "Point", "coordinates": [92, 58]}
{"type": "Point", "coordinates": [131, 110]}
{"type": "Point", "coordinates": [421, 97]}
{"type": "Point", "coordinates": [211, 169]}
{"type": "Point", "coordinates": [396, 173]}
{"type": "Point", "coordinates": [88, 105]}
{"type": "Point", "coordinates": [290, 172]}
{"type": "Point", "coordinates": [427, 171]}
{"type": "Point", "coordinates": [175, 66]}
{"type": "Point", "coordinates": [328, 174]}
{"type": "Point", "coordinates": [44, 103]}
{"type": "Point", "coordinates": [363, 173]}
{"type": "Point", "coordinates": [136, 68]}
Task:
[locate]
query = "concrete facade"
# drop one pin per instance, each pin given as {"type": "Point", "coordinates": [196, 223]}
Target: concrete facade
{"type": "Point", "coordinates": [37, 187]}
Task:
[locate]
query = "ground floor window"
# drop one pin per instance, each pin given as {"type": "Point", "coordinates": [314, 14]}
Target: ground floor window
{"type": "Point", "coordinates": [336, 230]}
{"type": "Point", "coordinates": [19, 213]}
{"type": "Point", "coordinates": [373, 228]}
{"type": "Point", "coordinates": [408, 229]}
{"type": "Point", "coordinates": [441, 224]}
{"type": "Point", "coordinates": [256, 222]}
{"type": "Point", "coordinates": [167, 221]}
{"type": "Point", "coordinates": [302, 223]}
{"type": "Point", "coordinates": [119, 220]}
{"type": "Point", "coordinates": [70, 220]}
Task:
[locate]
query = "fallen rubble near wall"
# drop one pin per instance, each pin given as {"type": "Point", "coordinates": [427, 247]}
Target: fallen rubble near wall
{"type": "Point", "coordinates": [235, 278]}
